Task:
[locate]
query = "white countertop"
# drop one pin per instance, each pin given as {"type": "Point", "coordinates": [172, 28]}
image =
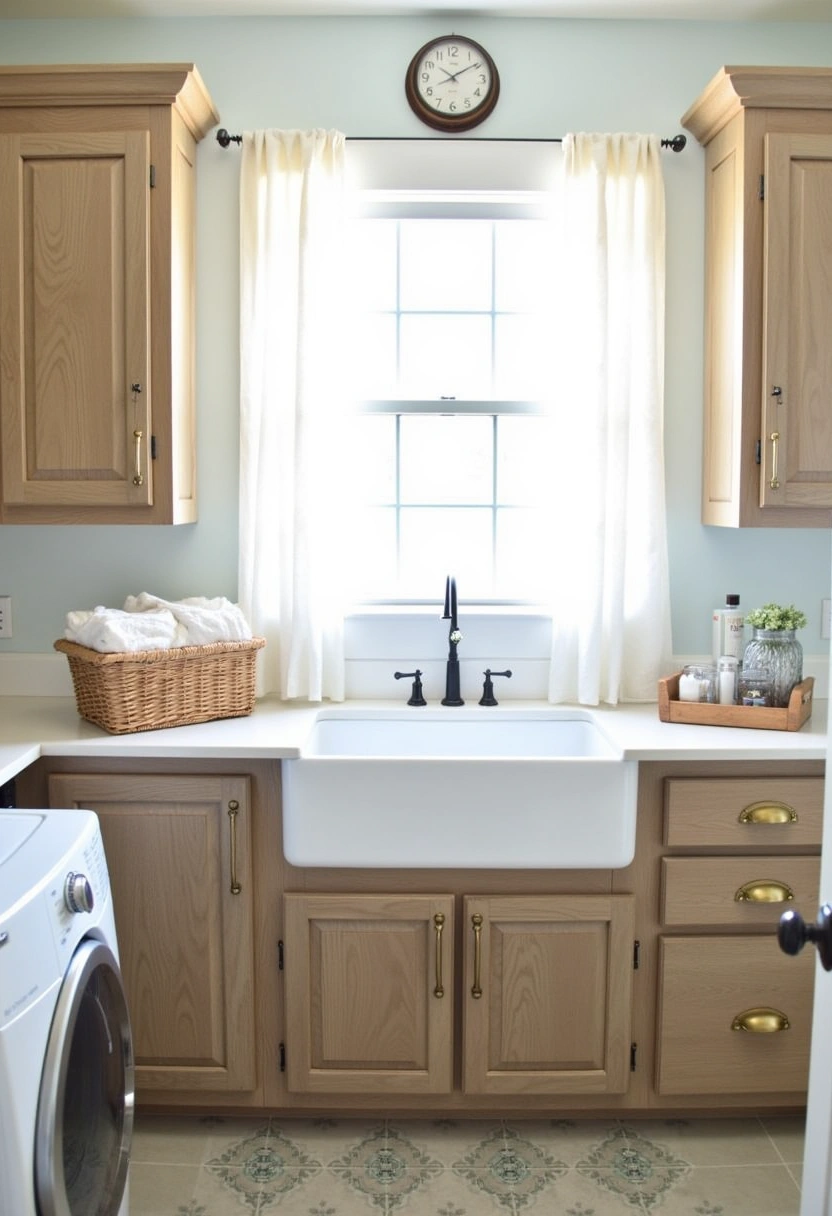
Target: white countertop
{"type": "Point", "coordinates": [50, 726]}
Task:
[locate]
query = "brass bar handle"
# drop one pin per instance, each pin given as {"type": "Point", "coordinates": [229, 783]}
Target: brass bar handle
{"type": "Point", "coordinates": [233, 811]}
{"type": "Point", "coordinates": [138, 476]}
{"type": "Point", "coordinates": [768, 812]}
{"type": "Point", "coordinates": [761, 1020]}
{"type": "Point", "coordinates": [476, 924]}
{"type": "Point", "coordinates": [764, 891]}
{"type": "Point", "coordinates": [439, 925]}
{"type": "Point", "coordinates": [774, 483]}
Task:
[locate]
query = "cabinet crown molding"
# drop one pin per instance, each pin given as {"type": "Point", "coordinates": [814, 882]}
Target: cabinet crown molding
{"type": "Point", "coordinates": [178, 85]}
{"type": "Point", "coordinates": [735, 88]}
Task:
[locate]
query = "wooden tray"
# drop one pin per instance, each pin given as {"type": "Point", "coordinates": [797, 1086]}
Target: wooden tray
{"type": "Point", "coordinates": [763, 717]}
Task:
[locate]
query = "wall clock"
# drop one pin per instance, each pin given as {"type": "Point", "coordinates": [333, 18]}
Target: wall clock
{"type": "Point", "coordinates": [452, 83]}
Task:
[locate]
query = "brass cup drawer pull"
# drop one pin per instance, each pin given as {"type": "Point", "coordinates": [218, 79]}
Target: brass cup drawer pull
{"type": "Point", "coordinates": [439, 925]}
{"type": "Point", "coordinates": [476, 925]}
{"type": "Point", "coordinates": [764, 891]}
{"type": "Point", "coordinates": [761, 1020]}
{"type": "Point", "coordinates": [233, 811]}
{"type": "Point", "coordinates": [768, 812]}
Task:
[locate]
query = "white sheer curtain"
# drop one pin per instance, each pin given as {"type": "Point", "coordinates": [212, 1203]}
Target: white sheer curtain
{"type": "Point", "coordinates": [292, 416]}
{"type": "Point", "coordinates": [611, 614]}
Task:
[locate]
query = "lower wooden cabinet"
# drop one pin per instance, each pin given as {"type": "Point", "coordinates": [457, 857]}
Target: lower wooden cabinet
{"type": "Point", "coordinates": [735, 1016]}
{"type": "Point", "coordinates": [178, 850]}
{"type": "Point", "coordinates": [542, 991]}
{"type": "Point", "coordinates": [367, 1007]}
{"type": "Point", "coordinates": [734, 1013]}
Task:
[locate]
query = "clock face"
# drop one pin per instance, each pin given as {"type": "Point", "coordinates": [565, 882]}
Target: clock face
{"type": "Point", "coordinates": [452, 83]}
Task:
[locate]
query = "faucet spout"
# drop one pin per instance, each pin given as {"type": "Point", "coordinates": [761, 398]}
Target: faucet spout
{"type": "Point", "coordinates": [452, 694]}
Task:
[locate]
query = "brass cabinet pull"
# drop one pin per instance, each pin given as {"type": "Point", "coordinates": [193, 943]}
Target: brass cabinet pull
{"type": "Point", "coordinates": [233, 811]}
{"type": "Point", "coordinates": [774, 483]}
{"type": "Point", "coordinates": [138, 476]}
{"type": "Point", "coordinates": [761, 1020]}
{"type": "Point", "coordinates": [476, 924]}
{"type": "Point", "coordinates": [764, 891]}
{"type": "Point", "coordinates": [439, 925]}
{"type": "Point", "coordinates": [768, 812]}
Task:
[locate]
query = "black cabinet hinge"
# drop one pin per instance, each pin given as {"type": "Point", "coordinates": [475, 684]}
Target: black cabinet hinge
{"type": "Point", "coordinates": [758, 452]}
{"type": "Point", "coordinates": [761, 193]}
{"type": "Point", "coordinates": [636, 954]}
{"type": "Point", "coordinates": [152, 177]}
{"type": "Point", "coordinates": [280, 956]}
{"type": "Point", "coordinates": [152, 447]}
{"type": "Point", "coordinates": [281, 1047]}
{"type": "Point", "coordinates": [633, 1050]}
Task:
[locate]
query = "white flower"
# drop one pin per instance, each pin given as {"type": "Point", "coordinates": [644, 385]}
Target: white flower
{"type": "Point", "coordinates": [455, 636]}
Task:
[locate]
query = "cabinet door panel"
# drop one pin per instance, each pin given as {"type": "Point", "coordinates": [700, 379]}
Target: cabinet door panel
{"type": "Point", "coordinates": [369, 1006]}
{"type": "Point", "coordinates": [705, 984]}
{"type": "Point", "coordinates": [74, 322]}
{"type": "Point", "coordinates": [797, 423]}
{"type": "Point", "coordinates": [555, 974]}
{"type": "Point", "coordinates": [185, 937]}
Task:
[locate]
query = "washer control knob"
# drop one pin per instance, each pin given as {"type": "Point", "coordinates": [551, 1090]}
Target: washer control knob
{"type": "Point", "coordinates": [78, 895]}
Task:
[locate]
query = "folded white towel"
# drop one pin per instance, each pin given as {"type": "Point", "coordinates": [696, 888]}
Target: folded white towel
{"type": "Point", "coordinates": [111, 630]}
{"type": "Point", "coordinates": [204, 620]}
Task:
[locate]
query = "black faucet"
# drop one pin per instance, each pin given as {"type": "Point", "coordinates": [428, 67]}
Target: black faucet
{"type": "Point", "coordinates": [451, 696]}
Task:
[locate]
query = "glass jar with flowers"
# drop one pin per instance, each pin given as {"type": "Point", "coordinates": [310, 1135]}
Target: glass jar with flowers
{"type": "Point", "coordinates": [773, 646]}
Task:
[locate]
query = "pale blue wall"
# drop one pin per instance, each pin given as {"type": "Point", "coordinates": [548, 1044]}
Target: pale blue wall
{"type": "Point", "coordinates": [347, 73]}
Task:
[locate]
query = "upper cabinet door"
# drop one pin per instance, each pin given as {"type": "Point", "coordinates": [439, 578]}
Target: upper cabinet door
{"type": "Point", "coordinates": [767, 454]}
{"type": "Point", "coordinates": [97, 292]}
{"type": "Point", "coordinates": [797, 386]}
{"type": "Point", "coordinates": [74, 324]}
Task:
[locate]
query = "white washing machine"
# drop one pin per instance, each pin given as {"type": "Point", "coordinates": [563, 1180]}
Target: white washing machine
{"type": "Point", "coordinates": [66, 1055]}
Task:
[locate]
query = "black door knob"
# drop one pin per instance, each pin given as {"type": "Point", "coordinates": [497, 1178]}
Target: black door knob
{"type": "Point", "coordinates": [793, 933]}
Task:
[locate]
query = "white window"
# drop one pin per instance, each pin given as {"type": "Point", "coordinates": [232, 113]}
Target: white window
{"type": "Point", "coordinates": [454, 362]}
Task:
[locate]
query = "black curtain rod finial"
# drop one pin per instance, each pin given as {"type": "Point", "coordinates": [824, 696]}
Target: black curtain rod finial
{"type": "Point", "coordinates": [224, 139]}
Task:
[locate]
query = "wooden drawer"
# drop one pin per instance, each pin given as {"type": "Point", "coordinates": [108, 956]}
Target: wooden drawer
{"type": "Point", "coordinates": [737, 891]}
{"type": "Point", "coordinates": [712, 811]}
{"type": "Point", "coordinates": [705, 983]}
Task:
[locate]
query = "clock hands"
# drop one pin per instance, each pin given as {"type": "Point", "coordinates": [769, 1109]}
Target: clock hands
{"type": "Point", "coordinates": [453, 75]}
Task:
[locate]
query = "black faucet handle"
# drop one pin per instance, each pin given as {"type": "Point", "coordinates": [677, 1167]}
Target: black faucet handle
{"type": "Point", "coordinates": [416, 697]}
{"type": "Point", "coordinates": [488, 697]}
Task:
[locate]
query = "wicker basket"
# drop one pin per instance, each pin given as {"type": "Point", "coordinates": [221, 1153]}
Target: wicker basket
{"type": "Point", "coordinates": [152, 689]}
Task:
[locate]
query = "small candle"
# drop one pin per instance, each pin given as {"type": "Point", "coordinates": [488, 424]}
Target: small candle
{"type": "Point", "coordinates": [726, 687]}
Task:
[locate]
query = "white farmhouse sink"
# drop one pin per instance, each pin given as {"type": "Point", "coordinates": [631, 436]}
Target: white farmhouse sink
{"type": "Point", "coordinates": [459, 788]}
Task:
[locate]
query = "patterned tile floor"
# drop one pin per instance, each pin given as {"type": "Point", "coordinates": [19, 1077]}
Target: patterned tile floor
{"type": "Point", "coordinates": [197, 1166]}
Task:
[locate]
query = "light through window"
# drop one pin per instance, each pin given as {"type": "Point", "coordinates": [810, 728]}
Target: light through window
{"type": "Point", "coordinates": [454, 357]}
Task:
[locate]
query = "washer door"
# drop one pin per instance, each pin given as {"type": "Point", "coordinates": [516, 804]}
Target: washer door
{"type": "Point", "coordinates": [85, 1107]}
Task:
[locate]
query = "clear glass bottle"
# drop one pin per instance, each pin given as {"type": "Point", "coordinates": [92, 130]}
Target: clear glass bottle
{"type": "Point", "coordinates": [755, 687]}
{"type": "Point", "coordinates": [779, 651]}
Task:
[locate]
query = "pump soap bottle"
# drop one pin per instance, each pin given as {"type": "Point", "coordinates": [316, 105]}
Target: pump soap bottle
{"type": "Point", "coordinates": [729, 630]}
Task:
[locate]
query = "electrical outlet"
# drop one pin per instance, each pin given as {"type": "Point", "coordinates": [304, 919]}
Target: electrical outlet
{"type": "Point", "coordinates": [825, 618]}
{"type": "Point", "coordinates": [5, 616]}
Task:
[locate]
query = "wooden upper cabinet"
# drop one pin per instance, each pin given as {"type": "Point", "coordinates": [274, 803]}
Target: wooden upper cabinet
{"type": "Point", "coordinates": [97, 194]}
{"type": "Point", "coordinates": [767, 450]}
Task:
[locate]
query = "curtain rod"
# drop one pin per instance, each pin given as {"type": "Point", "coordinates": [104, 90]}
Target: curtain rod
{"type": "Point", "coordinates": [676, 144]}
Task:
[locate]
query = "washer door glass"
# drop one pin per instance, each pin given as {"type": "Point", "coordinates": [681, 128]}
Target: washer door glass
{"type": "Point", "coordinates": [85, 1107]}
